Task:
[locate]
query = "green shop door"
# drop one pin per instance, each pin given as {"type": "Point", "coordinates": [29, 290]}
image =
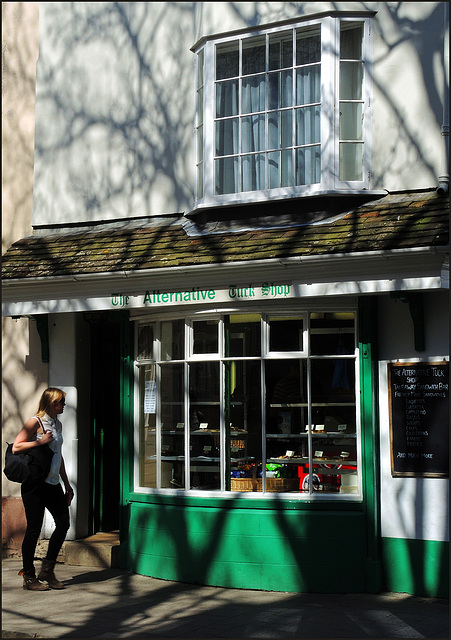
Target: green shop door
{"type": "Point", "coordinates": [105, 411]}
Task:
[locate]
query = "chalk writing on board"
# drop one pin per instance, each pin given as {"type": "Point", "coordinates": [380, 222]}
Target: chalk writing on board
{"type": "Point", "coordinates": [419, 418]}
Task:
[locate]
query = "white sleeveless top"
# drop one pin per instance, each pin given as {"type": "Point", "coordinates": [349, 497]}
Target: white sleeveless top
{"type": "Point", "coordinates": [55, 445]}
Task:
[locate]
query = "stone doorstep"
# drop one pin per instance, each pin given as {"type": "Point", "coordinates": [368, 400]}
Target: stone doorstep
{"type": "Point", "coordinates": [89, 552]}
{"type": "Point", "coordinates": [99, 550]}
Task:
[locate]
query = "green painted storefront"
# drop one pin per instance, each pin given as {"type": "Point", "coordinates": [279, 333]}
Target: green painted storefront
{"type": "Point", "coordinates": [275, 544]}
{"type": "Point", "coordinates": [416, 566]}
{"type": "Point", "coordinates": [260, 546]}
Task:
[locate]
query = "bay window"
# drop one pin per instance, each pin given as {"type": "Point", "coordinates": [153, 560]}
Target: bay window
{"type": "Point", "coordinates": [283, 112]}
{"type": "Point", "coordinates": [250, 403]}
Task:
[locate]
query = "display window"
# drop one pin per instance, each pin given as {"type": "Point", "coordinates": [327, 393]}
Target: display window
{"type": "Point", "coordinates": [249, 403]}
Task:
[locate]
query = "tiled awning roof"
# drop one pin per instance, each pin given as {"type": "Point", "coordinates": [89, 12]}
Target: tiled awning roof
{"type": "Point", "coordinates": [396, 221]}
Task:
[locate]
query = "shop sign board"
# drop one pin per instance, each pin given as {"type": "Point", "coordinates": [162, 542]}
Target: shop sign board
{"type": "Point", "coordinates": [33, 302]}
{"type": "Point", "coordinates": [158, 298]}
{"type": "Point", "coordinates": [419, 418]}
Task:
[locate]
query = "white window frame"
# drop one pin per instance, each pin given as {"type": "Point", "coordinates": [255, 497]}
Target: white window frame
{"type": "Point", "coordinates": [266, 356]}
{"type": "Point", "coordinates": [330, 61]}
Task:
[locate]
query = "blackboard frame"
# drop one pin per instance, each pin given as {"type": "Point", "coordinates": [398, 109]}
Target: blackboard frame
{"type": "Point", "coordinates": [414, 463]}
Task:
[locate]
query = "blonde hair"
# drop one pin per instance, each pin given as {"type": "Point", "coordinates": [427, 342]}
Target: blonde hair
{"type": "Point", "coordinates": [51, 396]}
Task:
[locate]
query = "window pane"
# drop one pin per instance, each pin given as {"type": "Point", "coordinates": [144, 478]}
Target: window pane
{"type": "Point", "coordinates": [335, 419]}
{"type": "Point", "coordinates": [309, 422]}
{"type": "Point", "coordinates": [227, 99]}
{"type": "Point", "coordinates": [172, 426]}
{"type": "Point", "coordinates": [280, 89]}
{"type": "Point", "coordinates": [286, 384]}
{"type": "Point", "coordinates": [145, 342]}
{"type": "Point", "coordinates": [333, 429]}
{"type": "Point", "coordinates": [266, 75]}
{"type": "Point", "coordinates": [351, 80]}
{"type": "Point", "coordinates": [173, 340]}
{"type": "Point", "coordinates": [332, 333]}
{"type": "Point", "coordinates": [308, 165]}
{"type": "Point", "coordinates": [280, 169]}
{"type": "Point", "coordinates": [281, 50]}
{"type": "Point", "coordinates": [334, 464]}
{"type": "Point", "coordinates": [308, 125]}
{"type": "Point", "coordinates": [205, 336]}
{"type": "Point", "coordinates": [243, 425]}
{"type": "Point", "coordinates": [308, 46]}
{"type": "Point", "coordinates": [253, 133]}
{"type": "Point", "coordinates": [147, 427]}
{"type": "Point", "coordinates": [200, 180]}
{"type": "Point", "coordinates": [227, 137]}
{"type": "Point", "coordinates": [242, 335]}
{"type": "Point", "coordinates": [286, 334]}
{"type": "Point", "coordinates": [351, 161]}
{"type": "Point", "coordinates": [308, 85]}
{"type": "Point", "coordinates": [226, 176]}
{"type": "Point", "coordinates": [200, 69]}
{"type": "Point", "coordinates": [280, 129]}
{"type": "Point", "coordinates": [227, 60]}
{"type": "Point", "coordinates": [254, 92]}
{"type": "Point", "coordinates": [204, 443]}
{"type": "Point", "coordinates": [200, 144]}
{"type": "Point", "coordinates": [286, 419]}
{"type": "Point", "coordinates": [333, 380]}
{"type": "Point", "coordinates": [351, 120]}
{"type": "Point", "coordinates": [253, 172]}
{"type": "Point", "coordinates": [351, 39]}
{"type": "Point", "coordinates": [200, 107]}
{"type": "Point", "coordinates": [172, 396]}
{"type": "Point", "coordinates": [254, 50]}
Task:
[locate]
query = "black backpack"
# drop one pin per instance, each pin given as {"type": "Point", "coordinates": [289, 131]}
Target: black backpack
{"type": "Point", "coordinates": [32, 465]}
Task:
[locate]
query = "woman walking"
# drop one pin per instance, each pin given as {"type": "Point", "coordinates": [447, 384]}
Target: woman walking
{"type": "Point", "coordinates": [44, 428]}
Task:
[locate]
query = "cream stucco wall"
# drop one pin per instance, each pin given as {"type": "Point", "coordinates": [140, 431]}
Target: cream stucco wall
{"type": "Point", "coordinates": [414, 508]}
{"type": "Point", "coordinates": [24, 376]}
{"type": "Point", "coordinates": [116, 141]}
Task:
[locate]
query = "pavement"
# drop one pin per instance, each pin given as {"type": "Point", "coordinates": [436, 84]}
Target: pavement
{"type": "Point", "coordinates": [112, 603]}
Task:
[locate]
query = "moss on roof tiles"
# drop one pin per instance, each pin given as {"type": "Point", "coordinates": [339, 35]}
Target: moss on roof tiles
{"type": "Point", "coordinates": [403, 220]}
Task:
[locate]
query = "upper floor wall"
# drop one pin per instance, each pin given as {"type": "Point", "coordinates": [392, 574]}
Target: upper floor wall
{"type": "Point", "coordinates": [115, 100]}
{"type": "Point", "coordinates": [20, 47]}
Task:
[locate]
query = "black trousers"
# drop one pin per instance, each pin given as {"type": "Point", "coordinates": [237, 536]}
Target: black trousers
{"type": "Point", "coordinates": [36, 498]}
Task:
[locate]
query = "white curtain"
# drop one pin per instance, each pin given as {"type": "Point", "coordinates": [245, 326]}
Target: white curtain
{"type": "Point", "coordinates": [253, 132]}
{"type": "Point", "coordinates": [268, 125]}
{"type": "Point", "coordinates": [226, 138]}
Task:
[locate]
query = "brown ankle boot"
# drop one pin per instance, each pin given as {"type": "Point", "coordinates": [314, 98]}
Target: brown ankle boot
{"type": "Point", "coordinates": [47, 575]}
{"type": "Point", "coordinates": [30, 581]}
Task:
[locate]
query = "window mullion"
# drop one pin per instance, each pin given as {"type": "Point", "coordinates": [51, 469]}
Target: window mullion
{"type": "Point", "coordinates": [158, 426]}
{"type": "Point", "coordinates": [224, 446]}
{"type": "Point", "coordinates": [188, 351]}
{"type": "Point", "coordinates": [310, 421]}
{"type": "Point", "coordinates": [330, 33]}
{"type": "Point", "coordinates": [209, 119]}
{"type": "Point", "coordinates": [367, 58]}
{"type": "Point", "coordinates": [264, 422]}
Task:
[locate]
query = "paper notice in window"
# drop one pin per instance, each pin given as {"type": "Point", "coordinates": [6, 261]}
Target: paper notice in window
{"type": "Point", "coordinates": [150, 394]}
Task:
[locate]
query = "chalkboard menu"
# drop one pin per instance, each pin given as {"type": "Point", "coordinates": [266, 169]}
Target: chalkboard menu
{"type": "Point", "coordinates": [419, 418]}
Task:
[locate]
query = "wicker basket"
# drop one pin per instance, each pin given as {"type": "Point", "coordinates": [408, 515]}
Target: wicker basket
{"type": "Point", "coordinates": [274, 485]}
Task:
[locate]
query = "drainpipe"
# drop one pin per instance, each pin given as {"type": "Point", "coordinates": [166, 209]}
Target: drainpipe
{"type": "Point", "coordinates": [443, 180]}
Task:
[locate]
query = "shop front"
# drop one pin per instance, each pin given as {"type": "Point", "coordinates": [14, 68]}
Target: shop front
{"type": "Point", "coordinates": [240, 419]}
{"type": "Point", "coordinates": [248, 467]}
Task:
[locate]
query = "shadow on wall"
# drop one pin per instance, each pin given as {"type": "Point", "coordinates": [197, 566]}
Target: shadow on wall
{"type": "Point", "coordinates": [20, 52]}
{"type": "Point", "coordinates": [116, 141]}
{"type": "Point", "coordinates": [275, 549]}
